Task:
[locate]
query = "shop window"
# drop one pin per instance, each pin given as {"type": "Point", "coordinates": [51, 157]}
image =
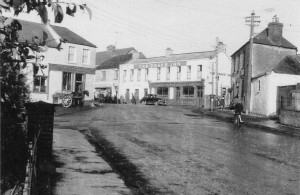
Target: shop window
{"type": "Point", "coordinates": [163, 91]}
{"type": "Point", "coordinates": [189, 68]}
{"type": "Point", "coordinates": [199, 91]}
{"type": "Point", "coordinates": [85, 56]}
{"type": "Point", "coordinates": [188, 91]}
{"type": "Point", "coordinates": [79, 82]}
{"type": "Point", "coordinates": [71, 54]}
{"type": "Point", "coordinates": [67, 77]}
{"type": "Point", "coordinates": [40, 84]}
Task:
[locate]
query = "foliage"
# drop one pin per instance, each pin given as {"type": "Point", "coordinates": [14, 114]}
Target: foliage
{"type": "Point", "coordinates": [14, 56]}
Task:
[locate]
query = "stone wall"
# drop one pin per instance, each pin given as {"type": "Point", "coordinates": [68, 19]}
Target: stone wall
{"type": "Point", "coordinates": [289, 117]}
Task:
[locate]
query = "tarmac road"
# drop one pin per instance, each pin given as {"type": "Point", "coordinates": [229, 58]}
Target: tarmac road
{"type": "Point", "coordinates": [171, 150]}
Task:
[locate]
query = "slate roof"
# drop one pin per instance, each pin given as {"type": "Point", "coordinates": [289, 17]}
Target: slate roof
{"type": "Point", "coordinates": [262, 38]}
{"type": "Point", "coordinates": [289, 65]}
{"type": "Point", "coordinates": [176, 57]}
{"type": "Point", "coordinates": [71, 37]}
{"type": "Point", "coordinates": [105, 55]}
{"type": "Point", "coordinates": [31, 30]}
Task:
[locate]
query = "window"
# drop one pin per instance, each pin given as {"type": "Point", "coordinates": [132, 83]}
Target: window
{"type": "Point", "coordinates": [139, 75]}
{"type": "Point", "coordinates": [79, 83]}
{"type": "Point", "coordinates": [71, 54]}
{"type": "Point", "coordinates": [103, 78]}
{"type": "Point", "coordinates": [146, 74]}
{"type": "Point", "coordinates": [131, 74]}
{"type": "Point", "coordinates": [40, 84]}
{"type": "Point", "coordinates": [168, 73]}
{"type": "Point", "coordinates": [85, 56]}
{"type": "Point", "coordinates": [199, 91]}
{"type": "Point", "coordinates": [199, 71]}
{"type": "Point", "coordinates": [124, 75]}
{"type": "Point", "coordinates": [158, 73]}
{"type": "Point", "coordinates": [178, 72]}
{"type": "Point", "coordinates": [116, 74]}
{"type": "Point", "coordinates": [67, 81]}
{"type": "Point", "coordinates": [162, 91]}
{"type": "Point", "coordinates": [189, 68]}
{"type": "Point", "coordinates": [188, 91]}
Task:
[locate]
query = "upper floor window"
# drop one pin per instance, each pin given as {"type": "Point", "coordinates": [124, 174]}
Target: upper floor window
{"type": "Point", "coordinates": [71, 54]}
{"type": "Point", "coordinates": [116, 74]}
{"type": "Point", "coordinates": [131, 74]}
{"type": "Point", "coordinates": [139, 75]}
{"type": "Point", "coordinates": [168, 73]}
{"type": "Point", "coordinates": [124, 75]}
{"type": "Point", "coordinates": [189, 68]}
{"type": "Point", "coordinates": [199, 71]}
{"type": "Point", "coordinates": [103, 78]}
{"type": "Point", "coordinates": [40, 84]}
{"type": "Point", "coordinates": [178, 72]}
{"type": "Point", "coordinates": [146, 74]}
{"type": "Point", "coordinates": [158, 73]}
{"type": "Point", "coordinates": [67, 77]}
{"type": "Point", "coordinates": [85, 56]}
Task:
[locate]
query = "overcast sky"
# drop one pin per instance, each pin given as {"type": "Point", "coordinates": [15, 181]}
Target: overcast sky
{"type": "Point", "coordinates": [150, 26]}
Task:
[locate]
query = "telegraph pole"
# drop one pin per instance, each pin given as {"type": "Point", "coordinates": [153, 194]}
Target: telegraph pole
{"type": "Point", "coordinates": [252, 22]}
{"type": "Point", "coordinates": [217, 69]}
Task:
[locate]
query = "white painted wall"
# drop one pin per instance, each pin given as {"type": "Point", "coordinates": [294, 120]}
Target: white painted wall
{"type": "Point", "coordinates": [264, 102]}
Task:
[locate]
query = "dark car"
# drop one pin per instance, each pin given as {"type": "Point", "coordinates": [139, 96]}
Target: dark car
{"type": "Point", "coordinates": [153, 99]}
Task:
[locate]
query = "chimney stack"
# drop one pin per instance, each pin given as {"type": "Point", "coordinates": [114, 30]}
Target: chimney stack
{"type": "Point", "coordinates": [275, 29]}
{"type": "Point", "coordinates": [135, 55]}
{"type": "Point", "coordinates": [111, 48]}
{"type": "Point", "coordinates": [221, 47]}
{"type": "Point", "coordinates": [168, 52]}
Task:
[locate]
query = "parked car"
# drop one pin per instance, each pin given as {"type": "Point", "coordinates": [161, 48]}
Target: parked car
{"type": "Point", "coordinates": [153, 99]}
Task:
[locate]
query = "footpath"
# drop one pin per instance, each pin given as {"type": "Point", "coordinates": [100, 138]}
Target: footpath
{"type": "Point", "coordinates": [253, 121]}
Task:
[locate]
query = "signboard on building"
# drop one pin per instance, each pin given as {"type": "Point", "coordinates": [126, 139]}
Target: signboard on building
{"type": "Point", "coordinates": [159, 64]}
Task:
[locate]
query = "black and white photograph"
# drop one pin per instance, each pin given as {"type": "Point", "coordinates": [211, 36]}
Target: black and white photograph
{"type": "Point", "coordinates": [150, 97]}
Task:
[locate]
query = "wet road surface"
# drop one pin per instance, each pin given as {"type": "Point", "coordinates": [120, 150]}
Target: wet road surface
{"type": "Point", "coordinates": [180, 152]}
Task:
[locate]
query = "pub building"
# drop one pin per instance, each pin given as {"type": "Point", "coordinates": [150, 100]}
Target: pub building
{"type": "Point", "coordinates": [181, 79]}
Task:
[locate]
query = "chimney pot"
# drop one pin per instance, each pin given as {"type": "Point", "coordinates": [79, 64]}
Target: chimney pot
{"type": "Point", "coordinates": [168, 52]}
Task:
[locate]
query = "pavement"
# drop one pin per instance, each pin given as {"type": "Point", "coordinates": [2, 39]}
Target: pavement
{"type": "Point", "coordinates": [263, 123]}
{"type": "Point", "coordinates": [81, 170]}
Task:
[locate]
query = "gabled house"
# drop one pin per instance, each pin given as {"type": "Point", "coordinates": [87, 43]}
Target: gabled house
{"type": "Point", "coordinates": [69, 61]}
{"type": "Point", "coordinates": [107, 69]}
{"type": "Point", "coordinates": [270, 86]}
{"type": "Point", "coordinates": [269, 48]}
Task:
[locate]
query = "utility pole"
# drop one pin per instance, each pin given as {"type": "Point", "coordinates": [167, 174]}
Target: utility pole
{"type": "Point", "coordinates": [217, 69]}
{"type": "Point", "coordinates": [252, 22]}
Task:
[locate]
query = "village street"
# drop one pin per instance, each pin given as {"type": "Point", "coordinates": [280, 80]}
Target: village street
{"type": "Point", "coordinates": [172, 150]}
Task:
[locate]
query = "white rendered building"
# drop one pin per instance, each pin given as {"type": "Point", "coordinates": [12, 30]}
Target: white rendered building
{"type": "Point", "coordinates": [181, 79]}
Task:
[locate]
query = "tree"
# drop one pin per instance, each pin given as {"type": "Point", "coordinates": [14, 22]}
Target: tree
{"type": "Point", "coordinates": [14, 56]}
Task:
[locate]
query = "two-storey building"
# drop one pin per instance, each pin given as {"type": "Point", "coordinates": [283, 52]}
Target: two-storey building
{"type": "Point", "coordinates": [269, 48]}
{"type": "Point", "coordinates": [69, 60]}
{"type": "Point", "coordinates": [181, 79]}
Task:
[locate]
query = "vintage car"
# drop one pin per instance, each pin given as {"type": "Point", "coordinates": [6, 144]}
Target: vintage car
{"type": "Point", "coordinates": [153, 99]}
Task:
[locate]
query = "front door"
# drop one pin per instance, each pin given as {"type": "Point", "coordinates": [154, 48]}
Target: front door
{"type": "Point", "coordinates": [136, 95]}
{"type": "Point", "coordinates": [177, 92]}
{"type": "Point", "coordinates": [127, 96]}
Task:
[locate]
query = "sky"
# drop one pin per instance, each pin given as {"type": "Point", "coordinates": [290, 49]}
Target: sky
{"type": "Point", "coordinates": [151, 26]}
